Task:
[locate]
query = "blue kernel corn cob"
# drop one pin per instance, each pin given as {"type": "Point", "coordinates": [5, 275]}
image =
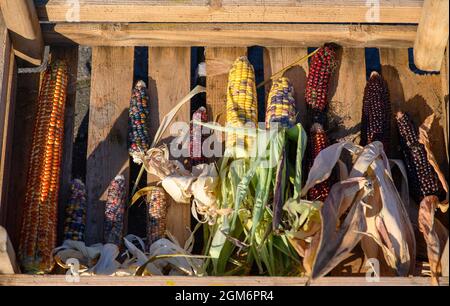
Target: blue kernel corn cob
{"type": "Point", "coordinates": [75, 222]}
{"type": "Point", "coordinates": [115, 211]}
{"type": "Point", "coordinates": [138, 136]}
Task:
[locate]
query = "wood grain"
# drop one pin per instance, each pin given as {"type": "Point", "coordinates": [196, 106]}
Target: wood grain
{"type": "Point", "coordinates": [355, 11]}
{"type": "Point", "coordinates": [432, 35]}
{"type": "Point", "coordinates": [346, 93]}
{"type": "Point", "coordinates": [107, 153]}
{"type": "Point", "coordinates": [59, 280]}
{"type": "Point", "coordinates": [229, 35]}
{"type": "Point", "coordinates": [218, 63]}
{"type": "Point", "coordinates": [169, 81]}
{"type": "Point", "coordinates": [70, 56]}
{"type": "Point", "coordinates": [276, 59]}
{"type": "Point", "coordinates": [22, 21]}
{"type": "Point", "coordinates": [417, 94]}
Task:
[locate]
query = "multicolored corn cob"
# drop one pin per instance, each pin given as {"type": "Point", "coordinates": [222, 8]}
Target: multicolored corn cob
{"type": "Point", "coordinates": [376, 112]}
{"type": "Point", "coordinates": [197, 137]}
{"type": "Point", "coordinates": [115, 211]}
{"type": "Point", "coordinates": [242, 105]}
{"type": "Point", "coordinates": [157, 214]}
{"type": "Point", "coordinates": [321, 67]}
{"type": "Point", "coordinates": [75, 222]}
{"type": "Point", "coordinates": [317, 142]}
{"type": "Point", "coordinates": [281, 104]}
{"type": "Point", "coordinates": [423, 180]}
{"type": "Point", "coordinates": [138, 136]}
{"type": "Point", "coordinates": [38, 233]}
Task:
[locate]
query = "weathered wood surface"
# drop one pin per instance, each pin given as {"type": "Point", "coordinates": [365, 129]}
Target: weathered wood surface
{"type": "Point", "coordinates": [70, 56]}
{"type": "Point", "coordinates": [432, 35]}
{"type": "Point", "coordinates": [169, 81]}
{"type": "Point", "coordinates": [218, 63]}
{"type": "Point", "coordinates": [420, 95]}
{"type": "Point", "coordinates": [107, 152]}
{"type": "Point", "coordinates": [356, 11]}
{"type": "Point", "coordinates": [26, 36]}
{"type": "Point", "coordinates": [8, 263]}
{"type": "Point", "coordinates": [229, 35]}
{"type": "Point", "coordinates": [59, 280]}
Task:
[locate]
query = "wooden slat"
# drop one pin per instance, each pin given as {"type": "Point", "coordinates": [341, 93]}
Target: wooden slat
{"type": "Point", "coordinates": [357, 11]}
{"type": "Point", "coordinates": [70, 56]}
{"type": "Point", "coordinates": [169, 81]}
{"type": "Point", "coordinates": [346, 93]}
{"type": "Point", "coordinates": [418, 95]}
{"type": "Point", "coordinates": [22, 21]}
{"type": "Point", "coordinates": [107, 153]}
{"type": "Point", "coordinates": [59, 280]}
{"type": "Point", "coordinates": [218, 63]}
{"type": "Point", "coordinates": [432, 35]}
{"type": "Point", "coordinates": [8, 263]}
{"type": "Point", "coordinates": [276, 59]}
{"type": "Point", "coordinates": [229, 35]}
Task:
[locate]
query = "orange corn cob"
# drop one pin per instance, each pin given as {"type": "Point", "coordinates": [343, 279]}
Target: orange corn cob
{"type": "Point", "coordinates": [38, 233]}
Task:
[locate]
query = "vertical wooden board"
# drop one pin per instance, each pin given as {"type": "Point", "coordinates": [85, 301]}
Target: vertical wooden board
{"type": "Point", "coordinates": [418, 95]}
{"type": "Point", "coordinates": [169, 81]}
{"type": "Point", "coordinates": [68, 54]}
{"type": "Point", "coordinates": [107, 153]}
{"type": "Point", "coordinates": [218, 64]}
{"type": "Point", "coordinates": [275, 59]}
{"type": "Point", "coordinates": [346, 93]}
{"type": "Point", "coordinates": [24, 118]}
{"type": "Point", "coordinates": [7, 106]}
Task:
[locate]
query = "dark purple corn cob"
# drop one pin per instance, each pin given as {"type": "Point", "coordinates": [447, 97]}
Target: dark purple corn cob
{"type": "Point", "coordinates": [75, 221]}
{"type": "Point", "coordinates": [376, 112]}
{"type": "Point", "coordinates": [317, 142]}
{"type": "Point", "coordinates": [197, 137]}
{"type": "Point", "coordinates": [423, 180]}
{"type": "Point", "coordinates": [321, 68]}
{"type": "Point", "coordinates": [138, 136]}
{"type": "Point", "coordinates": [115, 211]}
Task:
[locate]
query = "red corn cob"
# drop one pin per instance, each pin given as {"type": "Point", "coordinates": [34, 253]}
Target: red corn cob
{"type": "Point", "coordinates": [321, 68]}
{"type": "Point", "coordinates": [317, 142]}
{"type": "Point", "coordinates": [376, 113]}
{"type": "Point", "coordinates": [197, 137]}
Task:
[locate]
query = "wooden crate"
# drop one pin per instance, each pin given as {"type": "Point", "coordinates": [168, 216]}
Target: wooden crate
{"type": "Point", "coordinates": [226, 28]}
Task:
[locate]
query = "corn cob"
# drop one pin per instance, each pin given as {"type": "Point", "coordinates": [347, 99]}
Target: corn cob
{"type": "Point", "coordinates": [376, 112]}
{"type": "Point", "coordinates": [197, 137]}
{"type": "Point", "coordinates": [281, 104]}
{"type": "Point", "coordinates": [157, 215]}
{"type": "Point", "coordinates": [423, 180]}
{"type": "Point", "coordinates": [321, 68]}
{"type": "Point", "coordinates": [75, 222]}
{"type": "Point", "coordinates": [38, 233]}
{"type": "Point", "coordinates": [115, 211]}
{"type": "Point", "coordinates": [242, 106]}
{"type": "Point", "coordinates": [317, 142]}
{"type": "Point", "coordinates": [138, 136]}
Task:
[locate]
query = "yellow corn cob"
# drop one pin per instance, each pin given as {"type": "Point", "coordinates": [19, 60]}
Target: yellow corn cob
{"type": "Point", "coordinates": [242, 106]}
{"type": "Point", "coordinates": [38, 233]}
{"type": "Point", "coordinates": [281, 104]}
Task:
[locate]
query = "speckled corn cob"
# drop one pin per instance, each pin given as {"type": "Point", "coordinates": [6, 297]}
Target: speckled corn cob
{"type": "Point", "coordinates": [138, 136]}
{"type": "Point", "coordinates": [157, 214]}
{"type": "Point", "coordinates": [317, 142]}
{"type": "Point", "coordinates": [376, 113]}
{"type": "Point", "coordinates": [75, 222]}
{"type": "Point", "coordinates": [242, 105]}
{"type": "Point", "coordinates": [321, 68]}
{"type": "Point", "coordinates": [115, 211]}
{"type": "Point", "coordinates": [38, 233]}
{"type": "Point", "coordinates": [281, 104]}
{"type": "Point", "coordinates": [197, 137]}
{"type": "Point", "coordinates": [423, 180]}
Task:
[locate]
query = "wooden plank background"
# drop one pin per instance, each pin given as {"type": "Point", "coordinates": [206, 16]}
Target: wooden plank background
{"type": "Point", "coordinates": [107, 153]}
{"type": "Point", "coordinates": [169, 81]}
